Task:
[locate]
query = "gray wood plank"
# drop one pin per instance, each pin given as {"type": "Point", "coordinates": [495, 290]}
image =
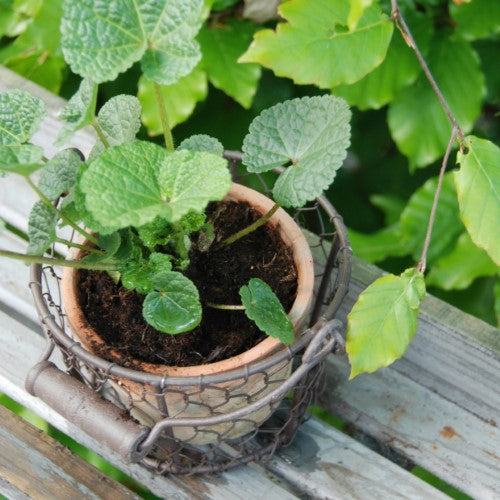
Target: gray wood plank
{"type": "Point", "coordinates": [35, 465]}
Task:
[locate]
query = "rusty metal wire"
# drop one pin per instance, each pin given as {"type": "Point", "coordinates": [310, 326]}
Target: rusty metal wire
{"type": "Point", "coordinates": [211, 423]}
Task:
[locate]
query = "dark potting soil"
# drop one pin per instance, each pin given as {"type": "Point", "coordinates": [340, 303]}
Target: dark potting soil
{"type": "Point", "coordinates": [116, 313]}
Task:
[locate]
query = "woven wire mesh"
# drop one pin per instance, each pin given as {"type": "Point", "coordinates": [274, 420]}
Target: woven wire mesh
{"type": "Point", "coordinates": [215, 422]}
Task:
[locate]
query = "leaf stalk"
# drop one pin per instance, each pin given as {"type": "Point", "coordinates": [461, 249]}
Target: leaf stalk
{"type": "Point", "coordinates": [167, 133]}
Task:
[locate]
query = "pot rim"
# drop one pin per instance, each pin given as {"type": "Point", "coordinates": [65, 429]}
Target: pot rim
{"type": "Point", "coordinates": [291, 235]}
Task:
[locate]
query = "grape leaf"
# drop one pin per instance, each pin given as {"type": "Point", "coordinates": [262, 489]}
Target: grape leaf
{"type": "Point", "coordinates": [41, 228]}
{"type": "Point", "coordinates": [221, 46]}
{"type": "Point", "coordinates": [399, 69]}
{"type": "Point", "coordinates": [264, 308]}
{"type": "Point", "coordinates": [459, 268]}
{"type": "Point", "coordinates": [383, 321]}
{"type": "Point", "coordinates": [424, 140]}
{"type": "Point", "coordinates": [12, 154]}
{"type": "Point", "coordinates": [121, 185]}
{"type": "Point", "coordinates": [476, 19]}
{"type": "Point", "coordinates": [119, 120]}
{"type": "Point", "coordinates": [415, 216]}
{"type": "Point", "coordinates": [79, 112]}
{"type": "Point", "coordinates": [202, 142]}
{"type": "Point", "coordinates": [102, 39]}
{"type": "Point", "coordinates": [312, 133]}
{"type": "Point", "coordinates": [180, 99]}
{"type": "Point", "coordinates": [189, 180]}
{"type": "Point", "coordinates": [311, 48]}
{"type": "Point", "coordinates": [478, 190]}
{"type": "Point", "coordinates": [175, 305]}
{"type": "Point", "coordinates": [58, 176]}
{"type": "Point", "coordinates": [20, 116]}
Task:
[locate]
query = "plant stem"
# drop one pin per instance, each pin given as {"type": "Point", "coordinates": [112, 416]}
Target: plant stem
{"type": "Point", "coordinates": [167, 134]}
{"type": "Point", "coordinates": [252, 227]}
{"type": "Point", "coordinates": [65, 219]}
{"type": "Point", "coordinates": [81, 247]}
{"type": "Point", "coordinates": [226, 307]}
{"type": "Point", "coordinates": [99, 132]}
{"type": "Point", "coordinates": [410, 41]}
{"type": "Point", "coordinates": [36, 259]}
{"type": "Point", "coordinates": [423, 259]}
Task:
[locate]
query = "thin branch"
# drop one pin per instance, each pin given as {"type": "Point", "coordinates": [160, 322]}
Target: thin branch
{"type": "Point", "coordinates": [226, 307]}
{"type": "Point", "coordinates": [162, 110]}
{"type": "Point", "coordinates": [422, 262]}
{"type": "Point", "coordinates": [410, 41]}
{"type": "Point", "coordinates": [100, 133]}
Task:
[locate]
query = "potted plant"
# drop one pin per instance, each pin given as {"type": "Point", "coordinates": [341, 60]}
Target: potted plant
{"type": "Point", "coordinates": [152, 221]}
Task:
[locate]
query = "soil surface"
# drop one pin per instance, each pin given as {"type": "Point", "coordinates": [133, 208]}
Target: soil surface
{"type": "Point", "coordinates": [116, 313]}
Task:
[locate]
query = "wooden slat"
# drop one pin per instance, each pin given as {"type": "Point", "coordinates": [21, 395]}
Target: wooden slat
{"type": "Point", "coordinates": [35, 465]}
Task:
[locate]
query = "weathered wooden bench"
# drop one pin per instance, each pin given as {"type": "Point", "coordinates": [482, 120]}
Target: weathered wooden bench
{"type": "Point", "coordinates": [438, 407]}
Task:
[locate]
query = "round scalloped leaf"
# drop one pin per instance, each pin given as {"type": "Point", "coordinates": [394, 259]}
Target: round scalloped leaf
{"type": "Point", "coordinates": [312, 133]}
{"type": "Point", "coordinates": [264, 308]}
{"type": "Point", "coordinates": [175, 306]}
{"type": "Point", "coordinates": [476, 19]}
{"type": "Point", "coordinates": [121, 185]}
{"type": "Point", "coordinates": [20, 116]}
{"type": "Point", "coordinates": [418, 123]}
{"type": "Point", "coordinates": [41, 228]}
{"type": "Point", "coordinates": [79, 111]}
{"type": "Point", "coordinates": [202, 142]}
{"type": "Point", "coordinates": [478, 190]}
{"type": "Point", "coordinates": [13, 154]}
{"type": "Point", "coordinates": [102, 39]}
{"type": "Point", "coordinates": [312, 47]}
{"type": "Point", "coordinates": [383, 321]}
{"type": "Point", "coordinates": [189, 180]}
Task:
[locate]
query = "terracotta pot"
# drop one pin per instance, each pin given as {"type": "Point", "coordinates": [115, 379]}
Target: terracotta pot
{"type": "Point", "coordinates": [190, 401]}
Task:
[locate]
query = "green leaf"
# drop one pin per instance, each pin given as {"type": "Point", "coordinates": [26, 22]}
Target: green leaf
{"type": "Point", "coordinates": [189, 180]}
{"type": "Point", "coordinates": [141, 275]}
{"type": "Point", "coordinates": [102, 39]}
{"type": "Point", "coordinates": [79, 112]}
{"type": "Point", "coordinates": [24, 169]}
{"type": "Point", "coordinates": [459, 268]}
{"type": "Point", "coordinates": [119, 120]}
{"type": "Point", "coordinates": [12, 154]}
{"type": "Point", "coordinates": [476, 19]}
{"type": "Point", "coordinates": [391, 205]}
{"type": "Point", "coordinates": [175, 306]}
{"type": "Point", "coordinates": [311, 48]}
{"type": "Point", "coordinates": [202, 142]}
{"type": "Point", "coordinates": [478, 190]}
{"type": "Point", "coordinates": [20, 116]}
{"type": "Point", "coordinates": [497, 301]}
{"type": "Point", "coordinates": [180, 100]}
{"type": "Point", "coordinates": [383, 321]}
{"type": "Point", "coordinates": [121, 185]}
{"type": "Point", "coordinates": [58, 176]}
{"type": "Point", "coordinates": [399, 69]}
{"type": "Point", "coordinates": [41, 228]}
{"type": "Point", "coordinates": [356, 11]}
{"type": "Point", "coordinates": [223, 4]}
{"type": "Point", "coordinates": [418, 124]}
{"type": "Point", "coordinates": [221, 46]}
{"type": "Point", "coordinates": [312, 133]}
{"type": "Point", "coordinates": [264, 308]}
{"type": "Point", "coordinates": [415, 216]}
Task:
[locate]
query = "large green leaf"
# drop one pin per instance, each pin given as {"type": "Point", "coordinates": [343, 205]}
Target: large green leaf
{"type": "Point", "coordinates": [180, 100]}
{"type": "Point", "coordinates": [41, 228]}
{"type": "Point", "coordinates": [459, 268]}
{"type": "Point", "coordinates": [264, 308]}
{"type": "Point", "coordinates": [12, 154]}
{"type": "Point", "coordinates": [175, 306]}
{"type": "Point", "coordinates": [102, 39]}
{"type": "Point", "coordinates": [356, 11]}
{"type": "Point", "coordinates": [415, 216]}
{"type": "Point", "coordinates": [58, 176]}
{"type": "Point", "coordinates": [221, 46]}
{"type": "Point", "coordinates": [79, 112]}
{"type": "Point", "coordinates": [316, 47]}
{"type": "Point", "coordinates": [121, 186]}
{"type": "Point", "coordinates": [399, 69]}
{"type": "Point", "coordinates": [478, 189]}
{"type": "Point", "coordinates": [311, 133]}
{"type": "Point", "coordinates": [383, 321]}
{"type": "Point", "coordinates": [189, 180]}
{"type": "Point", "coordinates": [417, 121]}
{"type": "Point", "coordinates": [20, 116]}
{"type": "Point", "coordinates": [476, 19]}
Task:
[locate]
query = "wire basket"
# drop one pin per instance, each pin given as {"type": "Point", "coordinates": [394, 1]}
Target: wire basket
{"type": "Point", "coordinates": [202, 424]}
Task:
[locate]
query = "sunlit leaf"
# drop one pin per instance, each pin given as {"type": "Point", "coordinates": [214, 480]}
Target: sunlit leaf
{"type": "Point", "coordinates": [356, 11]}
